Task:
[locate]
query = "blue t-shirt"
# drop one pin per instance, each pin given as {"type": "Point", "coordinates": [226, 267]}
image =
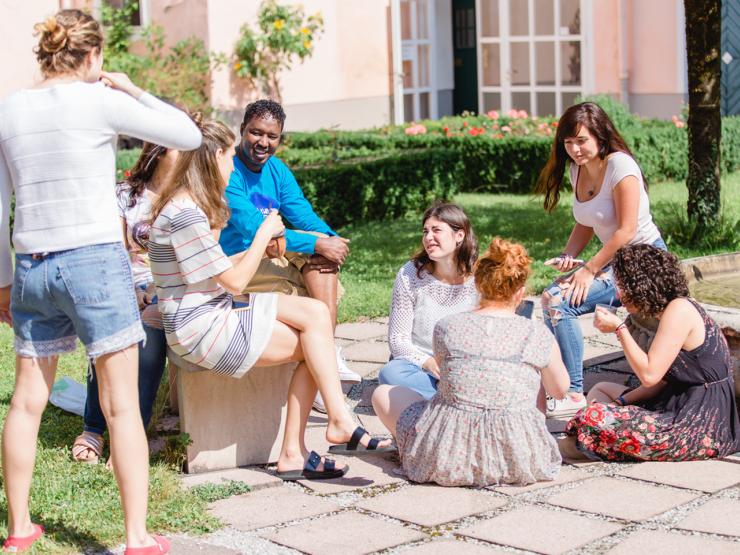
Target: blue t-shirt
{"type": "Point", "coordinates": [252, 195]}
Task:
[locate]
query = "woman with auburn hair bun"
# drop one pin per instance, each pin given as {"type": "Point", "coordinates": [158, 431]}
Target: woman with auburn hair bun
{"type": "Point", "coordinates": [486, 425]}
{"type": "Point", "coordinates": [436, 282]}
{"type": "Point", "coordinates": [72, 273]}
{"type": "Point", "coordinates": [685, 407]}
{"type": "Point", "coordinates": [609, 201]}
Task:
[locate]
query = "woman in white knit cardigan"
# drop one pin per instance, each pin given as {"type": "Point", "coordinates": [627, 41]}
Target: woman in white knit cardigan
{"type": "Point", "coordinates": [72, 274]}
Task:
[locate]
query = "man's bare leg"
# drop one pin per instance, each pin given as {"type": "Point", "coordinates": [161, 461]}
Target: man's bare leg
{"type": "Point", "coordinates": [323, 286]}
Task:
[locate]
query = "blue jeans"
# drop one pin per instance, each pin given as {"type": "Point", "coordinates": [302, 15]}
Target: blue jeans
{"type": "Point", "coordinates": [562, 319]}
{"type": "Point", "coordinates": [152, 358]}
{"type": "Point", "coordinates": [402, 372]}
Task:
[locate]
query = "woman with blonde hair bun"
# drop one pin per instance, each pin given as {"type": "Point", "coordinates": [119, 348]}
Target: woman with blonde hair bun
{"type": "Point", "coordinates": [72, 273]}
{"type": "Point", "coordinates": [486, 425]}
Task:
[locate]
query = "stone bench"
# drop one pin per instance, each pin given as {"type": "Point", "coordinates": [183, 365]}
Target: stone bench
{"type": "Point", "coordinates": [231, 422]}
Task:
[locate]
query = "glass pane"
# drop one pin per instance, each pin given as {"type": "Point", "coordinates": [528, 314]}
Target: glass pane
{"type": "Point", "coordinates": [135, 16]}
{"type": "Point", "coordinates": [570, 63]}
{"type": "Point", "coordinates": [546, 104]}
{"type": "Point", "coordinates": [518, 17]}
{"type": "Point", "coordinates": [544, 53]}
{"type": "Point", "coordinates": [424, 106]}
{"type": "Point", "coordinates": [408, 80]}
{"type": "Point", "coordinates": [422, 18]}
{"type": "Point", "coordinates": [423, 66]}
{"type": "Point", "coordinates": [405, 20]}
{"type": "Point", "coordinates": [520, 63]}
{"type": "Point", "coordinates": [470, 28]}
{"type": "Point", "coordinates": [570, 17]}
{"type": "Point", "coordinates": [520, 101]}
{"type": "Point", "coordinates": [544, 17]}
{"type": "Point", "coordinates": [491, 101]}
{"type": "Point", "coordinates": [489, 18]}
{"type": "Point", "coordinates": [491, 65]}
{"type": "Point", "coordinates": [569, 98]}
{"type": "Point", "coordinates": [408, 107]}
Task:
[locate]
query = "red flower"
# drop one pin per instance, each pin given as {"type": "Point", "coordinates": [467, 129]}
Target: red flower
{"type": "Point", "coordinates": [127, 173]}
{"type": "Point", "coordinates": [710, 452]}
{"type": "Point", "coordinates": [593, 414]}
{"type": "Point", "coordinates": [446, 129]}
{"type": "Point", "coordinates": [607, 436]}
{"type": "Point", "coordinates": [630, 447]}
{"type": "Point", "coordinates": [465, 124]}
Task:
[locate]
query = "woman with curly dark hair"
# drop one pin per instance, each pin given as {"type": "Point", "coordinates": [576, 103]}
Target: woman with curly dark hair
{"type": "Point", "coordinates": [685, 407]}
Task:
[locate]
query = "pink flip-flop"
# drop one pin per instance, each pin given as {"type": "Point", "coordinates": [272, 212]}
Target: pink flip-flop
{"type": "Point", "coordinates": [18, 544]}
{"type": "Point", "coordinates": [162, 546]}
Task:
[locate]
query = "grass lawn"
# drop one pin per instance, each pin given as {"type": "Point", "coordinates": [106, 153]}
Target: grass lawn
{"type": "Point", "coordinates": [78, 503]}
{"type": "Point", "coordinates": [379, 249]}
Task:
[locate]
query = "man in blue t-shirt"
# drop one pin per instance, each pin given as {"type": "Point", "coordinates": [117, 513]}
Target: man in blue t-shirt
{"type": "Point", "coordinates": [260, 182]}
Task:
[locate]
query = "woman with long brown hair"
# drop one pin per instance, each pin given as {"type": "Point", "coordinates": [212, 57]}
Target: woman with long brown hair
{"type": "Point", "coordinates": [609, 201]}
{"type": "Point", "coordinates": [203, 323]}
{"type": "Point", "coordinates": [72, 273]}
{"type": "Point", "coordinates": [436, 282]}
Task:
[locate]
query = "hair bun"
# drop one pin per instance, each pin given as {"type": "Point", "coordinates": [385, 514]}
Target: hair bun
{"type": "Point", "coordinates": [53, 36]}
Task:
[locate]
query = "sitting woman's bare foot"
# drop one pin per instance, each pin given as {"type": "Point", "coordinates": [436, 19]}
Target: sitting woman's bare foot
{"type": "Point", "coordinates": [350, 439]}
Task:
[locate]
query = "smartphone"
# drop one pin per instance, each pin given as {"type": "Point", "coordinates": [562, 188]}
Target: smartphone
{"type": "Point", "coordinates": [555, 261]}
{"type": "Point", "coordinates": [526, 309]}
{"type": "Point", "coordinates": [240, 304]}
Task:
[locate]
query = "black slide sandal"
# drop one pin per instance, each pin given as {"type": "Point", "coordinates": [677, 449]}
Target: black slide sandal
{"type": "Point", "coordinates": [309, 472]}
{"type": "Point", "coordinates": [353, 448]}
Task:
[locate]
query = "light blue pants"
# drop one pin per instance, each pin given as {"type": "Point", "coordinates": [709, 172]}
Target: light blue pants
{"type": "Point", "coordinates": [402, 372]}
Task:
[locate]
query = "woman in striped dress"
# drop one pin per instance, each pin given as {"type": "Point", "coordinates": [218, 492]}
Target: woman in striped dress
{"type": "Point", "coordinates": [196, 283]}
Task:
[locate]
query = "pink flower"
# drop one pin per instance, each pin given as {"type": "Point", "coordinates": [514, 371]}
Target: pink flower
{"type": "Point", "coordinates": [506, 129]}
{"type": "Point", "coordinates": [513, 113]}
{"type": "Point", "coordinates": [493, 114]}
{"type": "Point", "coordinates": [706, 441]}
{"type": "Point", "coordinates": [677, 122]}
{"type": "Point", "coordinates": [415, 129]}
{"type": "Point", "coordinates": [522, 114]}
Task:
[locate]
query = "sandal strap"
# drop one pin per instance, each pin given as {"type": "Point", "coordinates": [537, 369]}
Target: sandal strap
{"type": "Point", "coordinates": [89, 440]}
{"type": "Point", "coordinates": [329, 465]}
{"type": "Point", "coordinates": [354, 441]}
{"type": "Point", "coordinates": [313, 461]}
{"type": "Point", "coordinates": [373, 444]}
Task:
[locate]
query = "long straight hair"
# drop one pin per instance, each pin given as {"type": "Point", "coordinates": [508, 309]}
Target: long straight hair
{"type": "Point", "coordinates": [591, 116]}
{"type": "Point", "coordinates": [466, 253]}
{"type": "Point", "coordinates": [196, 171]}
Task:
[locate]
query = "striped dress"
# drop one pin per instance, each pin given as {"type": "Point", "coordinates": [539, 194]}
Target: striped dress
{"type": "Point", "coordinates": [198, 315]}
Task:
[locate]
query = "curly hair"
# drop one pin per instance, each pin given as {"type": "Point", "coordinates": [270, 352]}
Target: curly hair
{"type": "Point", "coordinates": [502, 270]}
{"type": "Point", "coordinates": [66, 39]}
{"type": "Point", "coordinates": [264, 108]}
{"type": "Point", "coordinates": [648, 278]}
{"type": "Point", "coordinates": [457, 219]}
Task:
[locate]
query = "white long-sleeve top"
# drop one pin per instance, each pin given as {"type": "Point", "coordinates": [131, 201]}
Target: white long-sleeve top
{"type": "Point", "coordinates": [418, 304]}
{"type": "Point", "coordinates": [58, 151]}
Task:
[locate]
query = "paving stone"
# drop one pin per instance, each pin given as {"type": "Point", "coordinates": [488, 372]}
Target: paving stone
{"type": "Point", "coordinates": [191, 546]}
{"type": "Point", "coordinates": [735, 457]}
{"type": "Point", "coordinates": [382, 320]}
{"type": "Point", "coordinates": [716, 516]}
{"type": "Point", "coordinates": [368, 351]}
{"type": "Point", "coordinates": [256, 478]}
{"type": "Point", "coordinates": [361, 330]}
{"type": "Point", "coordinates": [709, 476]}
{"type": "Point", "coordinates": [432, 505]}
{"type": "Point", "coordinates": [367, 395]}
{"type": "Point", "coordinates": [593, 350]}
{"type": "Point", "coordinates": [363, 472]}
{"type": "Point", "coordinates": [621, 498]}
{"type": "Point", "coordinates": [666, 543]}
{"type": "Point", "coordinates": [268, 507]}
{"type": "Point", "coordinates": [453, 547]}
{"type": "Point", "coordinates": [365, 369]}
{"type": "Point", "coordinates": [540, 530]}
{"type": "Point", "coordinates": [567, 474]}
{"type": "Point", "coordinates": [346, 533]}
{"type": "Point", "coordinates": [373, 425]}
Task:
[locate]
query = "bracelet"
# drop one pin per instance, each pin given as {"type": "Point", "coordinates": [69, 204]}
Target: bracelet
{"type": "Point", "coordinates": [621, 400]}
{"type": "Point", "coordinates": [619, 327]}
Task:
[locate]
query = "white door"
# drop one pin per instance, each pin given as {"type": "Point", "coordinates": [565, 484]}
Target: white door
{"type": "Point", "coordinates": [530, 54]}
{"type": "Point", "coordinates": [419, 92]}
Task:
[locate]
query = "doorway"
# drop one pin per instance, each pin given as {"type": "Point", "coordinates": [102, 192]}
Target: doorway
{"type": "Point", "coordinates": [465, 94]}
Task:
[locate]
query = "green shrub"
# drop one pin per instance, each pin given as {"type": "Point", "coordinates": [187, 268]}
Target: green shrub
{"type": "Point", "coordinates": [381, 188]}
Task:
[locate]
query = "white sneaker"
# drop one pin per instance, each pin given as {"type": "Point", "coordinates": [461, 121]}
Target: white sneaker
{"type": "Point", "coordinates": [318, 403]}
{"type": "Point", "coordinates": [345, 373]}
{"type": "Point", "coordinates": [568, 406]}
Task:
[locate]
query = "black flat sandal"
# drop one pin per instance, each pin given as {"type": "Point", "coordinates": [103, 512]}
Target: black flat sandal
{"type": "Point", "coordinates": [353, 448]}
{"type": "Point", "coordinates": [310, 472]}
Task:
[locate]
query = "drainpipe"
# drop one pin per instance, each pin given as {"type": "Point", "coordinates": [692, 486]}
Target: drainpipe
{"type": "Point", "coordinates": [397, 66]}
{"type": "Point", "coordinates": [624, 57]}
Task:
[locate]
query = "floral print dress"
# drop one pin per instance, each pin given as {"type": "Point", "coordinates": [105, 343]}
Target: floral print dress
{"type": "Point", "coordinates": [693, 417]}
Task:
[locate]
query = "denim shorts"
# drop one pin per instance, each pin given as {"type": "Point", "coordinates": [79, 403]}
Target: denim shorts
{"type": "Point", "coordinates": [87, 292]}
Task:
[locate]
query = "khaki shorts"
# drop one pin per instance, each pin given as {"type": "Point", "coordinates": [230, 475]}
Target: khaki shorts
{"type": "Point", "coordinates": [285, 275]}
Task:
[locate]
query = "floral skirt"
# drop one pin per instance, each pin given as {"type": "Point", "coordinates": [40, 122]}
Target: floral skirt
{"type": "Point", "coordinates": [629, 433]}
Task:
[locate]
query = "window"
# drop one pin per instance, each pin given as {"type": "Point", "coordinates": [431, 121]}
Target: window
{"type": "Point", "coordinates": [140, 17]}
{"type": "Point", "coordinates": [417, 52]}
{"type": "Point", "coordinates": [530, 55]}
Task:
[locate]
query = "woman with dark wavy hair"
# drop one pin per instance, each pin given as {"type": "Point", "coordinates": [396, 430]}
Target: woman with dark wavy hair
{"type": "Point", "coordinates": [436, 282]}
{"type": "Point", "coordinates": [609, 201]}
{"type": "Point", "coordinates": [685, 407]}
